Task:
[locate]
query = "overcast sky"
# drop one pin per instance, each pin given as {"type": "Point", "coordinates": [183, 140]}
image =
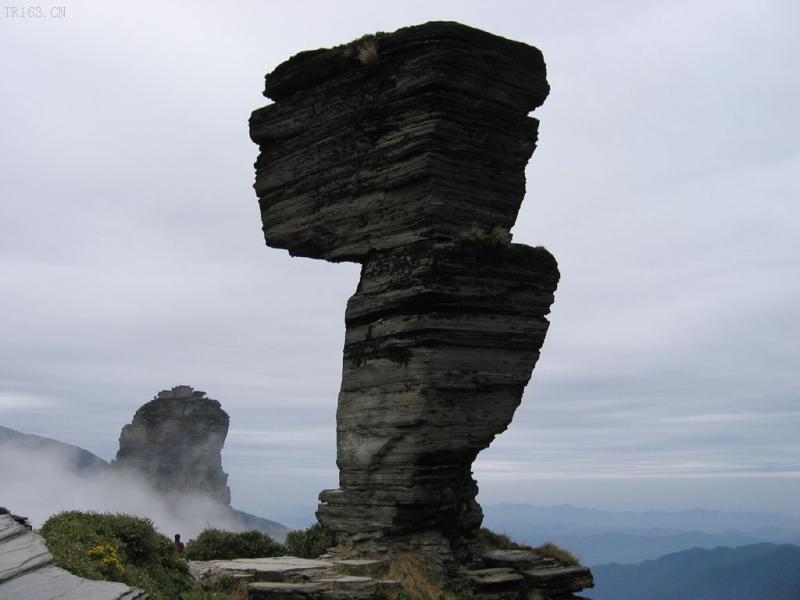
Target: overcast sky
{"type": "Point", "coordinates": [665, 183]}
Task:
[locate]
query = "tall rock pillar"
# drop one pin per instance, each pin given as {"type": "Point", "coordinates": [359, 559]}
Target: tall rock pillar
{"type": "Point", "coordinates": [175, 443]}
{"type": "Point", "coordinates": [406, 152]}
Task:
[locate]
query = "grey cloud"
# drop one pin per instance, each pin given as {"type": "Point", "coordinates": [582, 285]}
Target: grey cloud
{"type": "Point", "coordinates": [131, 256]}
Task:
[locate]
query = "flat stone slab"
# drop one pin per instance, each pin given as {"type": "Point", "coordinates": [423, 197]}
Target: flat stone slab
{"type": "Point", "coordinates": [285, 591]}
{"type": "Point", "coordinates": [344, 587]}
{"type": "Point", "coordinates": [555, 573]}
{"type": "Point", "coordinates": [291, 578]}
{"type": "Point", "coordinates": [488, 579]}
{"type": "Point", "coordinates": [27, 572]}
{"type": "Point", "coordinates": [363, 566]}
{"type": "Point", "coordinates": [516, 559]}
{"type": "Point", "coordinates": [50, 582]}
{"type": "Point", "coordinates": [283, 586]}
{"type": "Point", "coordinates": [9, 528]}
{"type": "Point", "coordinates": [21, 552]}
{"type": "Point", "coordinates": [275, 568]}
{"type": "Point", "coordinates": [561, 580]}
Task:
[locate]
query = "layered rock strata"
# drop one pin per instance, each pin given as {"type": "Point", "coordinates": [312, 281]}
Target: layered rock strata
{"type": "Point", "coordinates": [406, 152]}
{"type": "Point", "coordinates": [396, 139]}
{"type": "Point", "coordinates": [175, 442]}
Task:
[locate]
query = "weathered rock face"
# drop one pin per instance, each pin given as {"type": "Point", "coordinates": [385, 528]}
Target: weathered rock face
{"type": "Point", "coordinates": [425, 141]}
{"type": "Point", "coordinates": [440, 344]}
{"type": "Point", "coordinates": [406, 152]}
{"type": "Point", "coordinates": [175, 442]}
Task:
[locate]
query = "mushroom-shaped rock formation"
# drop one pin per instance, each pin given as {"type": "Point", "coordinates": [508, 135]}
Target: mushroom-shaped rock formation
{"type": "Point", "coordinates": [406, 152]}
{"type": "Point", "coordinates": [175, 442]}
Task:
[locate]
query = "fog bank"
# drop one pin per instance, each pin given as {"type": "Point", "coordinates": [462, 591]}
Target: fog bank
{"type": "Point", "coordinates": [40, 483]}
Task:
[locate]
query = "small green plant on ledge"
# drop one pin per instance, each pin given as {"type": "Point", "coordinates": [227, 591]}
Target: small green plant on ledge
{"type": "Point", "coordinates": [496, 237]}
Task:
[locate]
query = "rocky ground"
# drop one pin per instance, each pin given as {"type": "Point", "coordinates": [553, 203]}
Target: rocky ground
{"type": "Point", "coordinates": [496, 575]}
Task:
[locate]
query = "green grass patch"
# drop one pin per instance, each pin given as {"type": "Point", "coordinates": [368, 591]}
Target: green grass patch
{"type": "Point", "coordinates": [311, 542]}
{"type": "Point", "coordinates": [123, 548]}
{"type": "Point", "coordinates": [215, 544]}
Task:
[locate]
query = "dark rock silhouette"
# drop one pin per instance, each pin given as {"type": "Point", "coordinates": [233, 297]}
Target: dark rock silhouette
{"type": "Point", "coordinates": [167, 446]}
{"type": "Point", "coordinates": [175, 443]}
{"type": "Point", "coordinates": [406, 152]}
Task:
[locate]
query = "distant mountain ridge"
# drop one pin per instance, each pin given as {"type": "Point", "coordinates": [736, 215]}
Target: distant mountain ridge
{"type": "Point", "coordinates": [754, 572]}
{"type": "Point", "coordinates": [600, 537]}
{"type": "Point", "coordinates": [74, 456]}
{"type": "Point", "coordinates": [633, 548]}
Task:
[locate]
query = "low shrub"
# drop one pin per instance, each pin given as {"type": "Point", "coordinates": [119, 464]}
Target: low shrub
{"type": "Point", "coordinates": [118, 547]}
{"type": "Point", "coordinates": [311, 542]}
{"type": "Point", "coordinates": [216, 544]}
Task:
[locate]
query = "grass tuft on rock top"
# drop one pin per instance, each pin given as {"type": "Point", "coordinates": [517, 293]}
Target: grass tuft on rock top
{"type": "Point", "coordinates": [496, 237]}
{"type": "Point", "coordinates": [310, 543]}
{"type": "Point", "coordinates": [490, 540]}
{"type": "Point", "coordinates": [368, 52]}
{"type": "Point", "coordinates": [422, 577]}
{"type": "Point", "coordinates": [418, 576]}
{"type": "Point", "coordinates": [564, 557]}
{"type": "Point", "coordinates": [216, 544]}
{"type": "Point", "coordinates": [118, 547]}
